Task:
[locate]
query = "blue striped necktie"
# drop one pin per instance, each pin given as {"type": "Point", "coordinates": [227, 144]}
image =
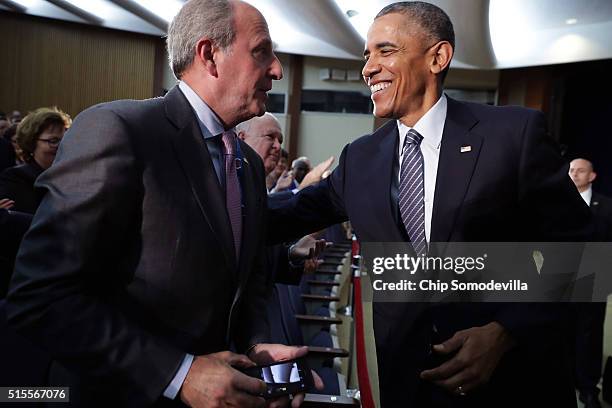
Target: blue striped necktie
{"type": "Point", "coordinates": [411, 191]}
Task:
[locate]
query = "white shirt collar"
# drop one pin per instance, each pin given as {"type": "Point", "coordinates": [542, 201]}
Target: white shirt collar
{"type": "Point", "coordinates": [587, 195]}
{"type": "Point", "coordinates": [430, 126]}
{"type": "Point", "coordinates": [209, 122]}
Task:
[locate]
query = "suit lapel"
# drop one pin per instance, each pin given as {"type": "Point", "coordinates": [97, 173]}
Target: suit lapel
{"type": "Point", "coordinates": [594, 203]}
{"type": "Point", "coordinates": [387, 138]}
{"type": "Point", "coordinates": [458, 156]}
{"type": "Point", "coordinates": [198, 168]}
{"type": "Point", "coordinates": [250, 235]}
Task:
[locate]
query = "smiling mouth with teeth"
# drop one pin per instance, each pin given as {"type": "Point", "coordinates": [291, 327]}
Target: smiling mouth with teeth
{"type": "Point", "coordinates": [379, 87]}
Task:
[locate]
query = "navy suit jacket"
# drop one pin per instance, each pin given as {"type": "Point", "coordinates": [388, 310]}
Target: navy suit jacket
{"type": "Point", "coordinates": [601, 207]}
{"type": "Point", "coordinates": [512, 186]}
{"type": "Point", "coordinates": [130, 260]}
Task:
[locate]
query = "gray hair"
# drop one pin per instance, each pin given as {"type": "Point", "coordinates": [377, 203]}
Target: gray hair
{"type": "Point", "coordinates": [198, 19]}
{"type": "Point", "coordinates": [433, 21]}
{"type": "Point", "coordinates": [246, 125]}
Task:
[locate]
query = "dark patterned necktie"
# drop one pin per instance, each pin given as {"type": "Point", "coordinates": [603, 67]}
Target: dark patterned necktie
{"type": "Point", "coordinates": [411, 192]}
{"type": "Point", "coordinates": [232, 188]}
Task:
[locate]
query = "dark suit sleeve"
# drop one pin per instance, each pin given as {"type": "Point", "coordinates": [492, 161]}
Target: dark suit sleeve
{"type": "Point", "coordinates": [553, 211]}
{"type": "Point", "coordinates": [64, 296]}
{"type": "Point", "coordinates": [311, 209]}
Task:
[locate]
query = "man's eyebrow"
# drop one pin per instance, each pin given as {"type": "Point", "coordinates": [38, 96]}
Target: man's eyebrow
{"type": "Point", "coordinates": [379, 46]}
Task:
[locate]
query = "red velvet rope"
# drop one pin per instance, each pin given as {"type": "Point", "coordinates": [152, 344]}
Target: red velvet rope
{"type": "Point", "coordinates": [367, 401]}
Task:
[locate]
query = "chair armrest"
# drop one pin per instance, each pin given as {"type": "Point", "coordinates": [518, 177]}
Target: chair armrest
{"type": "Point", "coordinates": [332, 262]}
{"type": "Point", "coordinates": [327, 352]}
{"type": "Point", "coordinates": [325, 283]}
{"type": "Point", "coordinates": [327, 272]}
{"type": "Point", "coordinates": [324, 401]}
{"type": "Point", "coordinates": [321, 320]}
{"type": "Point", "coordinates": [320, 298]}
{"type": "Point", "coordinates": [332, 256]}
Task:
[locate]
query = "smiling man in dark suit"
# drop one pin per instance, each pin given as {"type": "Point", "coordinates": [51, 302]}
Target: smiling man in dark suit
{"type": "Point", "coordinates": [445, 171]}
{"type": "Point", "coordinates": [142, 268]}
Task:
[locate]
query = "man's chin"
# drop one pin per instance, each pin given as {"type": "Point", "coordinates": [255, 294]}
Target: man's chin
{"type": "Point", "coordinates": [383, 113]}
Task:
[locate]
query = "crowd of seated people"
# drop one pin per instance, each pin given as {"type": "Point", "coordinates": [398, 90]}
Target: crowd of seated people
{"type": "Point", "coordinates": [27, 147]}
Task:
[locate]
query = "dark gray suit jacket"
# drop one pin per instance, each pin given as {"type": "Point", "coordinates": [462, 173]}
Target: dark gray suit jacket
{"type": "Point", "coordinates": [129, 262]}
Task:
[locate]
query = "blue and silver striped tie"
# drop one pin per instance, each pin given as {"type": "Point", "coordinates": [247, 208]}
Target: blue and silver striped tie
{"type": "Point", "coordinates": [411, 192]}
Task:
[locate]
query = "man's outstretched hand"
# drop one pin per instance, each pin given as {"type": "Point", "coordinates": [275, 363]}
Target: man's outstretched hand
{"type": "Point", "coordinates": [317, 173]}
{"type": "Point", "coordinates": [270, 353]}
{"type": "Point", "coordinates": [212, 381]}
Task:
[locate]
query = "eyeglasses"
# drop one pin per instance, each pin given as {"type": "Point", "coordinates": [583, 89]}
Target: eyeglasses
{"type": "Point", "coordinates": [53, 142]}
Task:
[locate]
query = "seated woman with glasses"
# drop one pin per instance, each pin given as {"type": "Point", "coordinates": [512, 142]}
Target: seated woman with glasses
{"type": "Point", "coordinates": [38, 136]}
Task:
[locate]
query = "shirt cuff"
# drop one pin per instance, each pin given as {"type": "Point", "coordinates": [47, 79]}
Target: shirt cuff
{"type": "Point", "coordinates": [175, 385]}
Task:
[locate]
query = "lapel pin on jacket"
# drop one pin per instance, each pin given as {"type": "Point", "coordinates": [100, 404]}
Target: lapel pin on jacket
{"type": "Point", "coordinates": [465, 149]}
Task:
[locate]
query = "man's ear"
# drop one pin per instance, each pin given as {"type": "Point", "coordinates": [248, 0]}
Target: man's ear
{"type": "Point", "coordinates": [442, 53]}
{"type": "Point", "coordinates": [205, 55]}
{"type": "Point", "coordinates": [592, 177]}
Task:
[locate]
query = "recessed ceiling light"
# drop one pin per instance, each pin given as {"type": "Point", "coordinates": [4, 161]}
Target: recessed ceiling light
{"type": "Point", "coordinates": [571, 21]}
{"type": "Point", "coordinates": [351, 13]}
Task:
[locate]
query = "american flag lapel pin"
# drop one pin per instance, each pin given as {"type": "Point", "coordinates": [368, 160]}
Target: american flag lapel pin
{"type": "Point", "coordinates": [465, 149]}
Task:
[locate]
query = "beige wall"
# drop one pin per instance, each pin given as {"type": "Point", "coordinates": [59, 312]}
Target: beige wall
{"type": "Point", "coordinates": [312, 66]}
{"type": "Point", "coordinates": [49, 62]}
{"type": "Point", "coordinates": [325, 134]}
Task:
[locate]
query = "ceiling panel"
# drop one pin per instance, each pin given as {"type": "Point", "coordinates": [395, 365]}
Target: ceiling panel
{"type": "Point", "coordinates": [490, 33]}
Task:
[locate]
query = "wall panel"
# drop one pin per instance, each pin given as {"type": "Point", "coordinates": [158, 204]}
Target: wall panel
{"type": "Point", "coordinates": [49, 62]}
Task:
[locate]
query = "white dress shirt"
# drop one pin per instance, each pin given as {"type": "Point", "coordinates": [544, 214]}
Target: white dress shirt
{"type": "Point", "coordinates": [587, 195]}
{"type": "Point", "coordinates": [430, 126]}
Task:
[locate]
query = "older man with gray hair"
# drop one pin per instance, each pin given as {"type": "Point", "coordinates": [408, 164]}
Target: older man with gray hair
{"type": "Point", "coordinates": [265, 136]}
{"type": "Point", "coordinates": [142, 269]}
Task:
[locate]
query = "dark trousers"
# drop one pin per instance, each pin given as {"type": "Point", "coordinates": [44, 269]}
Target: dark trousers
{"type": "Point", "coordinates": [589, 324]}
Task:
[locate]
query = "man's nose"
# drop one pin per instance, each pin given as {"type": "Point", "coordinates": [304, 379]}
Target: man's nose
{"type": "Point", "coordinates": [276, 69]}
{"type": "Point", "coordinates": [369, 69]}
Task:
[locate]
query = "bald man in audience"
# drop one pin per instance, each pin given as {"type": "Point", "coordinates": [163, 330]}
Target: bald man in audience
{"type": "Point", "coordinates": [590, 316]}
{"type": "Point", "coordinates": [264, 135]}
{"type": "Point", "coordinates": [285, 262]}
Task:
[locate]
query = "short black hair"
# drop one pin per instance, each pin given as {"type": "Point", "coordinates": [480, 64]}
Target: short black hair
{"type": "Point", "coordinates": [434, 22]}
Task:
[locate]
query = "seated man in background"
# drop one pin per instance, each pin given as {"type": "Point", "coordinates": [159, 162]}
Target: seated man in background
{"type": "Point", "coordinates": [15, 117]}
{"type": "Point", "coordinates": [143, 265]}
{"type": "Point", "coordinates": [285, 262]}
{"type": "Point", "coordinates": [4, 123]}
{"type": "Point", "coordinates": [300, 167]}
{"type": "Point", "coordinates": [273, 179]}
